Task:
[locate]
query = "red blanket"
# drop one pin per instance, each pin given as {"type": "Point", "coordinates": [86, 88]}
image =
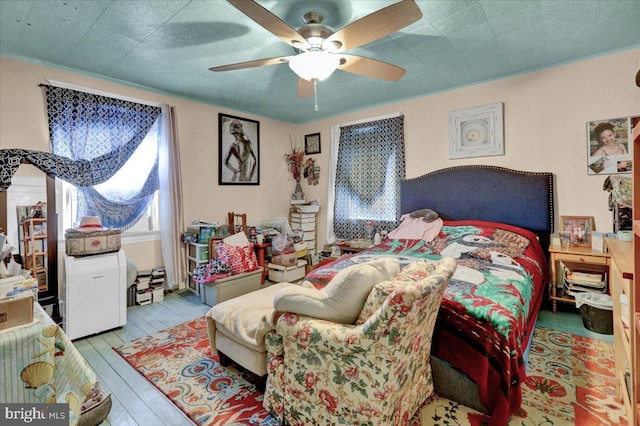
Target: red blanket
{"type": "Point", "coordinates": [490, 306]}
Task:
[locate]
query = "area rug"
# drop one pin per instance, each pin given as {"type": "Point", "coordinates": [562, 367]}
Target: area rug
{"type": "Point", "coordinates": [570, 382]}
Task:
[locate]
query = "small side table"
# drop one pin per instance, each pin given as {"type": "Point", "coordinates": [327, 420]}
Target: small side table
{"type": "Point", "coordinates": [260, 254]}
{"type": "Point", "coordinates": [582, 256]}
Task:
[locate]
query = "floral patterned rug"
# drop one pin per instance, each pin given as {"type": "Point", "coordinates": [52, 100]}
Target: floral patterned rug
{"type": "Point", "coordinates": [570, 382]}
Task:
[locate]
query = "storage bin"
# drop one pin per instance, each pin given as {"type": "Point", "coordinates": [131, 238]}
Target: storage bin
{"type": "Point", "coordinates": [217, 291]}
{"type": "Point", "coordinates": [596, 310]}
{"type": "Point", "coordinates": [597, 320]}
{"type": "Point", "coordinates": [279, 273]}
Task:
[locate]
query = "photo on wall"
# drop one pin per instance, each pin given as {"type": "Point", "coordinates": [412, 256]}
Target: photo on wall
{"type": "Point", "coordinates": [608, 148]}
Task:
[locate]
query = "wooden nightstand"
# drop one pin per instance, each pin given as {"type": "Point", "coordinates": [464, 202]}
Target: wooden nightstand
{"type": "Point", "coordinates": [581, 257]}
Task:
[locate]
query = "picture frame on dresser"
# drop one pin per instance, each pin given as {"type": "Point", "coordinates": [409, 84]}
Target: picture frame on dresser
{"type": "Point", "coordinates": [578, 229]}
{"type": "Point", "coordinates": [238, 150]}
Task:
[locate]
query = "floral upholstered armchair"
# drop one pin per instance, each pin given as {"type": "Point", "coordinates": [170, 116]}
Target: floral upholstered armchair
{"type": "Point", "coordinates": [375, 371]}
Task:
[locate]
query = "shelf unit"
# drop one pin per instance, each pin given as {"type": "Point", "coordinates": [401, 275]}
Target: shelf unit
{"type": "Point", "coordinates": [577, 257]}
{"type": "Point", "coordinates": [197, 254]}
{"type": "Point", "coordinates": [308, 223]}
{"type": "Point", "coordinates": [34, 232]}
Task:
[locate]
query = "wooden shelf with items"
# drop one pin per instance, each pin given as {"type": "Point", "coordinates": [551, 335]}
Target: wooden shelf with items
{"type": "Point", "coordinates": [580, 257]}
{"type": "Point", "coordinates": [624, 321]}
{"type": "Point", "coordinates": [34, 232]}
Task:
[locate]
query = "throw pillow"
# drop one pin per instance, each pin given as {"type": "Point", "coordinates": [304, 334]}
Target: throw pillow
{"type": "Point", "coordinates": [342, 299]}
{"type": "Point", "coordinates": [416, 271]}
{"type": "Point", "coordinates": [242, 259]}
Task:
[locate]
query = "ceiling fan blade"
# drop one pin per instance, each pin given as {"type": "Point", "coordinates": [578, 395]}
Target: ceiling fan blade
{"type": "Point", "coordinates": [305, 88]}
{"type": "Point", "coordinates": [377, 25]}
{"type": "Point", "coordinates": [252, 64]}
{"type": "Point", "coordinates": [371, 68]}
{"type": "Point", "coordinates": [268, 20]}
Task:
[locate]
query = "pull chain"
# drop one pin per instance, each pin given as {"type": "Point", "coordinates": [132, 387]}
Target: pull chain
{"type": "Point", "coordinates": [315, 93]}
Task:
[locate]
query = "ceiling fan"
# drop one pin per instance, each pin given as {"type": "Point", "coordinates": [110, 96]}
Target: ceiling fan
{"type": "Point", "coordinates": [321, 48]}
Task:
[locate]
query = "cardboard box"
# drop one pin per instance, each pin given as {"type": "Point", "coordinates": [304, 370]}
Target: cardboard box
{"type": "Point", "coordinates": [16, 310]}
{"type": "Point", "coordinates": [284, 259]}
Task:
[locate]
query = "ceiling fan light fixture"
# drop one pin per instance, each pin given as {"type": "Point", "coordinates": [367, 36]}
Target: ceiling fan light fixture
{"type": "Point", "coordinates": [315, 41]}
{"type": "Point", "coordinates": [314, 65]}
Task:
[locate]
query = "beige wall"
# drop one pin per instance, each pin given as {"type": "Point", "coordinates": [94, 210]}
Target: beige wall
{"type": "Point", "coordinates": [545, 116]}
{"type": "Point", "coordinates": [23, 124]}
{"type": "Point", "coordinates": [545, 120]}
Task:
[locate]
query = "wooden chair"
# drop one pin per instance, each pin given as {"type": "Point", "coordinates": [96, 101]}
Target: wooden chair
{"type": "Point", "coordinates": [237, 222]}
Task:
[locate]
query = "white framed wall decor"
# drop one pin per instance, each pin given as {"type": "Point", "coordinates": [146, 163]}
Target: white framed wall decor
{"type": "Point", "coordinates": [476, 132]}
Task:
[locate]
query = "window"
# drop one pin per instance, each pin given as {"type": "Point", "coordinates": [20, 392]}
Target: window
{"type": "Point", "coordinates": [132, 175]}
{"type": "Point", "coordinates": [112, 145]}
{"type": "Point", "coordinates": [367, 171]}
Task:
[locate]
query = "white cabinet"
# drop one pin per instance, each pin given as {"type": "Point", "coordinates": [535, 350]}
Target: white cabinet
{"type": "Point", "coordinates": [95, 293]}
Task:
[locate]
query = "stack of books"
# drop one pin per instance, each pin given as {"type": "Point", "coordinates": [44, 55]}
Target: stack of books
{"type": "Point", "coordinates": [150, 286]}
{"type": "Point", "coordinates": [143, 292]}
{"type": "Point", "coordinates": [579, 281]}
{"type": "Point", "coordinates": [156, 283]}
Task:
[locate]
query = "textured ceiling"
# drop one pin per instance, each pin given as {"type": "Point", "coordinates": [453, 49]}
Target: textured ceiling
{"type": "Point", "coordinates": [168, 46]}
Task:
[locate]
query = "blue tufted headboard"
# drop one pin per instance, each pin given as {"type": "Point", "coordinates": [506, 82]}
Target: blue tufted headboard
{"type": "Point", "coordinates": [489, 193]}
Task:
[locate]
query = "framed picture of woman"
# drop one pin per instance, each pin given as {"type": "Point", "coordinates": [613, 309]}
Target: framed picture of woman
{"type": "Point", "coordinates": [239, 150]}
{"type": "Point", "coordinates": [608, 148]}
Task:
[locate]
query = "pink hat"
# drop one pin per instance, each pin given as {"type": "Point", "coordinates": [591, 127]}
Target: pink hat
{"type": "Point", "coordinates": [90, 224]}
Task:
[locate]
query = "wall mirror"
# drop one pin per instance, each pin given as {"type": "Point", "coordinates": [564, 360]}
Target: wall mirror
{"type": "Point", "coordinates": [34, 235]}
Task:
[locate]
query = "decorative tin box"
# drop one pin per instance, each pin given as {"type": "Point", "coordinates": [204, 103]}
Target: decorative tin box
{"type": "Point", "coordinates": [87, 243]}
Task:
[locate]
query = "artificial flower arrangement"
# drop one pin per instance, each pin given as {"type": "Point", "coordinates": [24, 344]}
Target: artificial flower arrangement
{"type": "Point", "coordinates": [294, 160]}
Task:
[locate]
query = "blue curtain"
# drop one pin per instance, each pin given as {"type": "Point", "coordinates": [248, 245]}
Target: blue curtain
{"type": "Point", "coordinates": [103, 132]}
{"type": "Point", "coordinates": [370, 166]}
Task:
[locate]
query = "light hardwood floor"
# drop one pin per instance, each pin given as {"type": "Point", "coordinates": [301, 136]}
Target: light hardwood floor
{"type": "Point", "coordinates": [135, 400]}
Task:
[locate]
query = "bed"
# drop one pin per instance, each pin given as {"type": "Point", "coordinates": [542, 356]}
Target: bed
{"type": "Point", "coordinates": [496, 223]}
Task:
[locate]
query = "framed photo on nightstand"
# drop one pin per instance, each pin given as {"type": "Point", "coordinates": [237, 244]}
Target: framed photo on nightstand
{"type": "Point", "coordinates": [578, 229]}
{"type": "Point", "coordinates": [312, 144]}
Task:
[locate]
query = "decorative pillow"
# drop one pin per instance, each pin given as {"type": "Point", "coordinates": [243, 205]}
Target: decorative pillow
{"type": "Point", "coordinates": [242, 259]}
{"type": "Point", "coordinates": [414, 228]}
{"type": "Point", "coordinates": [414, 272]}
{"type": "Point", "coordinates": [342, 299]}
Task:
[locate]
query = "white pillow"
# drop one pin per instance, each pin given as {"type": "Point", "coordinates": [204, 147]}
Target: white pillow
{"type": "Point", "coordinates": [343, 298]}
